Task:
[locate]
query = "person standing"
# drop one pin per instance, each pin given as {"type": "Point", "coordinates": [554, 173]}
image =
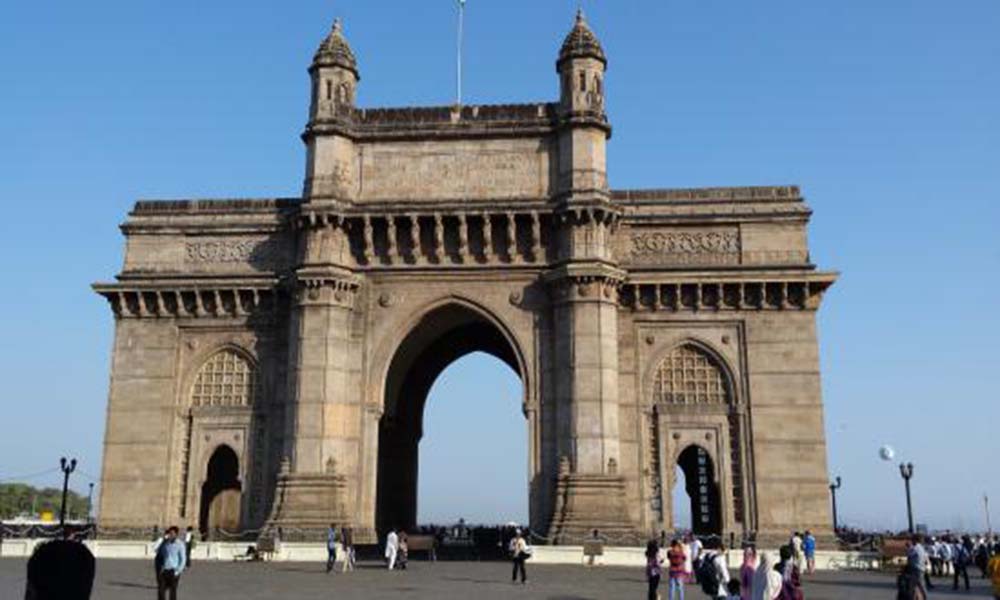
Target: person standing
{"type": "Point", "coordinates": [767, 580]}
{"type": "Point", "coordinates": [677, 576]}
{"type": "Point", "coordinates": [403, 554]}
{"type": "Point", "coordinates": [654, 571]}
{"type": "Point", "coordinates": [391, 548]}
{"type": "Point", "coordinates": [170, 562]}
{"type": "Point", "coordinates": [960, 562]}
{"type": "Point", "coordinates": [798, 554]}
{"type": "Point", "coordinates": [688, 559]}
{"type": "Point", "coordinates": [809, 548]}
{"type": "Point", "coordinates": [696, 548]}
{"type": "Point", "coordinates": [993, 570]}
{"type": "Point", "coordinates": [519, 554]}
{"type": "Point", "coordinates": [747, 572]}
{"type": "Point", "coordinates": [791, 577]}
{"type": "Point", "coordinates": [347, 542]}
{"type": "Point", "coordinates": [916, 564]}
{"type": "Point", "coordinates": [188, 544]}
{"type": "Point", "coordinates": [721, 570]}
{"type": "Point", "coordinates": [331, 548]}
{"type": "Point", "coordinates": [946, 556]}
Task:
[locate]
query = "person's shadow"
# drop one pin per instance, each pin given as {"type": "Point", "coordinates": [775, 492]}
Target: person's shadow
{"type": "Point", "coordinates": [129, 584]}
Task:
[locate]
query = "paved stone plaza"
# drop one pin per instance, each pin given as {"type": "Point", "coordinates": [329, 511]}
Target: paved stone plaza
{"type": "Point", "coordinates": [121, 580]}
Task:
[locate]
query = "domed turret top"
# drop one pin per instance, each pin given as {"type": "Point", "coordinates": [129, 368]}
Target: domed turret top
{"type": "Point", "coordinates": [335, 51]}
{"type": "Point", "coordinates": [581, 42]}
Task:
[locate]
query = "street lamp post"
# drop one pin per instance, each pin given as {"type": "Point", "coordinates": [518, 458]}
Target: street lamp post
{"type": "Point", "coordinates": [66, 468]}
{"type": "Point", "coordinates": [906, 470]}
{"type": "Point", "coordinates": [90, 503]}
{"type": "Point", "coordinates": [833, 495]}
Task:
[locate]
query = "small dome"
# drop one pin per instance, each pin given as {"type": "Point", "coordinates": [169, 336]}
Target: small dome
{"type": "Point", "coordinates": [335, 51]}
{"type": "Point", "coordinates": [581, 42]}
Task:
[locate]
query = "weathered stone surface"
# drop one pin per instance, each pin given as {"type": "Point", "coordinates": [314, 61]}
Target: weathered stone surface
{"type": "Point", "coordinates": [297, 339]}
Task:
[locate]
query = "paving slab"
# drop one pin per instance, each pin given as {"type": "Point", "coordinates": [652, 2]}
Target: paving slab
{"type": "Point", "coordinates": [129, 579]}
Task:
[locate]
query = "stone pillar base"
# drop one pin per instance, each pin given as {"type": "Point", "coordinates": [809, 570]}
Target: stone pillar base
{"type": "Point", "coordinates": [588, 502]}
{"type": "Point", "coordinates": [306, 504]}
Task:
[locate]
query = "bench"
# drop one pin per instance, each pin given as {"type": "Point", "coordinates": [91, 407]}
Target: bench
{"type": "Point", "coordinates": [263, 550]}
{"type": "Point", "coordinates": [422, 543]}
{"type": "Point", "coordinates": [591, 550]}
{"type": "Point", "coordinates": [893, 549]}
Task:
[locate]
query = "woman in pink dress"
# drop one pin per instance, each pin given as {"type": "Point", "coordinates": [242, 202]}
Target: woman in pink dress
{"type": "Point", "coordinates": [747, 571]}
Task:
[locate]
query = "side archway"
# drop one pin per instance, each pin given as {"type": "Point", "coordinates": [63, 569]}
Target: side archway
{"type": "Point", "coordinates": [219, 404]}
{"type": "Point", "coordinates": [221, 493]}
{"type": "Point", "coordinates": [702, 489]}
{"type": "Point", "coordinates": [694, 402]}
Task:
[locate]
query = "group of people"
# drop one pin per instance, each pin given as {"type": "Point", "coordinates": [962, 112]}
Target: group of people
{"type": "Point", "coordinates": [397, 549]}
{"type": "Point", "coordinates": [346, 538]}
{"type": "Point", "coordinates": [761, 577]}
{"type": "Point", "coordinates": [951, 555]}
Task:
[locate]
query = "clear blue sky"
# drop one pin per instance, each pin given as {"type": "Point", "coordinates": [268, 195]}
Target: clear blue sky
{"type": "Point", "coordinates": [886, 113]}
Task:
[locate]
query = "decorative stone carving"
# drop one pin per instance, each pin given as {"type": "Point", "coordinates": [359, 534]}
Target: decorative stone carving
{"type": "Point", "coordinates": [683, 247]}
{"type": "Point", "coordinates": [262, 253]}
{"type": "Point", "coordinates": [690, 376]}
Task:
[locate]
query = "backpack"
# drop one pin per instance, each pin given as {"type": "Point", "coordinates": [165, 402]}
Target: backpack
{"type": "Point", "coordinates": [708, 578]}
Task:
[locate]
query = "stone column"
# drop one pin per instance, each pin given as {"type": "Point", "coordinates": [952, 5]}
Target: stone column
{"type": "Point", "coordinates": [590, 493]}
{"type": "Point", "coordinates": [324, 416]}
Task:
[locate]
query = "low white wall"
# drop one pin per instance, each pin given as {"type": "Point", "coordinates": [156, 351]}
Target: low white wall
{"type": "Point", "coordinates": [316, 552]}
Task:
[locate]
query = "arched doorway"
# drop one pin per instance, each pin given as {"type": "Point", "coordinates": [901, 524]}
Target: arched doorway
{"type": "Point", "coordinates": [221, 492]}
{"type": "Point", "coordinates": [702, 490]}
{"type": "Point", "coordinates": [440, 338]}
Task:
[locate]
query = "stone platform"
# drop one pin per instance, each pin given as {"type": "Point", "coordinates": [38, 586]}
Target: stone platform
{"type": "Point", "coordinates": [614, 556]}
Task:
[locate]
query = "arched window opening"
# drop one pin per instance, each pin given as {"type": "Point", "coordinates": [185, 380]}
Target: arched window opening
{"type": "Point", "coordinates": [689, 375]}
{"type": "Point", "coordinates": [583, 82]}
{"type": "Point", "coordinates": [226, 379]}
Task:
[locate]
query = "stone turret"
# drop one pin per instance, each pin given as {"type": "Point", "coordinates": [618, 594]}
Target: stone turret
{"type": "Point", "coordinates": [581, 68]}
{"type": "Point", "coordinates": [583, 123]}
{"type": "Point", "coordinates": [334, 72]}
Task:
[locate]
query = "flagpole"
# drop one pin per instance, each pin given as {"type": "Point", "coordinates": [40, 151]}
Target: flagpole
{"type": "Point", "coordinates": [461, 24]}
{"type": "Point", "coordinates": [986, 505]}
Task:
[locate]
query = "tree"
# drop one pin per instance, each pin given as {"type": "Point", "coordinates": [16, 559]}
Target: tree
{"type": "Point", "coordinates": [20, 498]}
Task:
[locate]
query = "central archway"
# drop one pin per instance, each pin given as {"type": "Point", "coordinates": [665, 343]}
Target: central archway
{"type": "Point", "coordinates": [442, 336]}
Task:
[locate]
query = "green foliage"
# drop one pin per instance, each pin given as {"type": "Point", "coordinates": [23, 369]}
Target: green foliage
{"type": "Point", "coordinates": [18, 498]}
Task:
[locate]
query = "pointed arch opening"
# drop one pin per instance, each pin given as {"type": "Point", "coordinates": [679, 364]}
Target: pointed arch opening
{"type": "Point", "coordinates": [221, 493]}
{"type": "Point", "coordinates": [701, 489]}
{"type": "Point", "coordinates": [440, 337]}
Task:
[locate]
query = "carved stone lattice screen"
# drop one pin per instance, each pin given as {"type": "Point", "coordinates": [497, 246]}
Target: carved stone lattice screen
{"type": "Point", "coordinates": [689, 376]}
{"type": "Point", "coordinates": [226, 379]}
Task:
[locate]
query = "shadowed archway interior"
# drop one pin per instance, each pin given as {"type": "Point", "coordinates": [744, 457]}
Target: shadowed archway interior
{"type": "Point", "coordinates": [441, 337]}
{"type": "Point", "coordinates": [702, 489]}
{"type": "Point", "coordinates": [220, 494]}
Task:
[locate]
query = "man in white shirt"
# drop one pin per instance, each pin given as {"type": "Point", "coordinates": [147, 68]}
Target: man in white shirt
{"type": "Point", "coordinates": [188, 544]}
{"type": "Point", "coordinates": [718, 561]}
{"type": "Point", "coordinates": [391, 548]}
